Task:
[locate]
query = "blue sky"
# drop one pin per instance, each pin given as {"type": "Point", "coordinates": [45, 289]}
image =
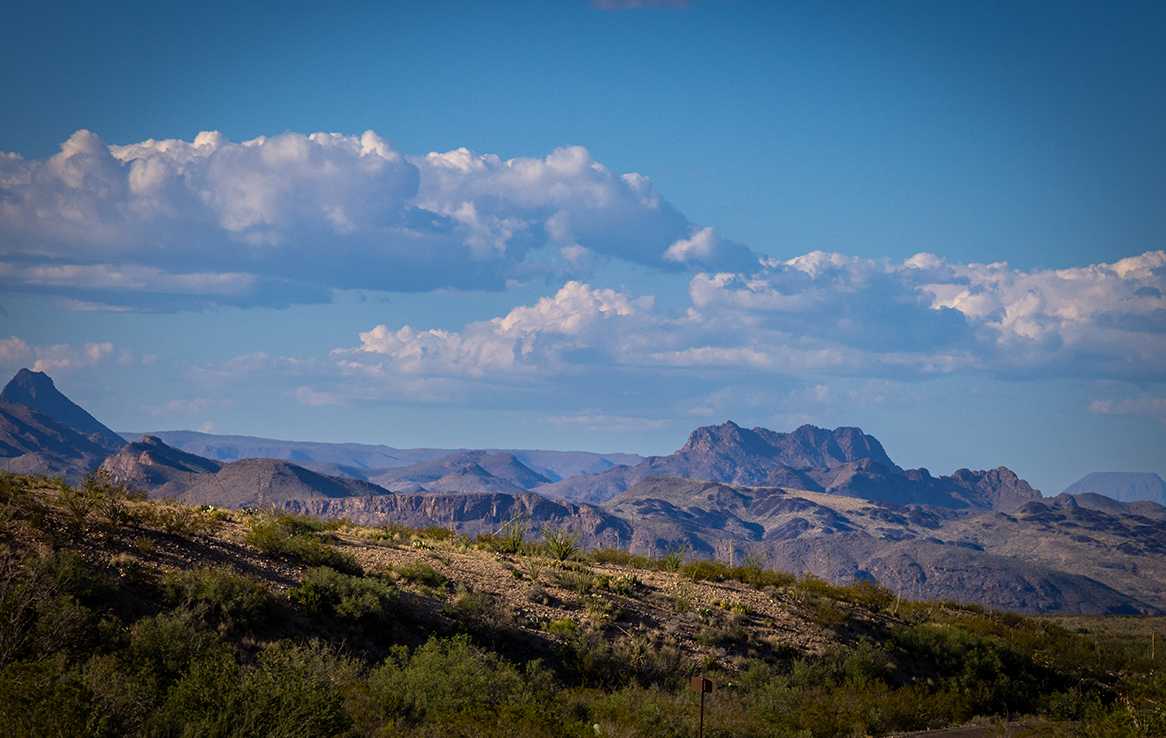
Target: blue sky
{"type": "Point", "coordinates": [597, 225]}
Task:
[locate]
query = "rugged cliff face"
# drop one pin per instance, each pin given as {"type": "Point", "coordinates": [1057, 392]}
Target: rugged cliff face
{"type": "Point", "coordinates": [149, 463]}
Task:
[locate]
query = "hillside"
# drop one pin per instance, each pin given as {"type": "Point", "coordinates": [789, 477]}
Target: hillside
{"type": "Point", "coordinates": [1039, 559]}
{"type": "Point", "coordinates": [164, 618]}
{"type": "Point", "coordinates": [33, 443]}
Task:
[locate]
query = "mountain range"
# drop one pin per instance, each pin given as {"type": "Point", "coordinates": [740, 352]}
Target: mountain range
{"type": "Point", "coordinates": [830, 503]}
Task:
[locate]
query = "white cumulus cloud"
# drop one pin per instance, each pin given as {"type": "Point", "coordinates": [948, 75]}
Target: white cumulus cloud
{"type": "Point", "coordinates": [876, 325]}
{"type": "Point", "coordinates": [288, 219]}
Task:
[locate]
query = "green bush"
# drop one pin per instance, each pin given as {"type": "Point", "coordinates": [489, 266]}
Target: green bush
{"type": "Point", "coordinates": [226, 598]}
{"type": "Point", "coordinates": [132, 684]}
{"type": "Point", "coordinates": [183, 521]}
{"type": "Point", "coordinates": [601, 662]}
{"type": "Point", "coordinates": [483, 614]}
{"type": "Point", "coordinates": [581, 582]}
{"type": "Point", "coordinates": [36, 701]}
{"type": "Point", "coordinates": [420, 573]}
{"type": "Point", "coordinates": [297, 691]}
{"type": "Point", "coordinates": [706, 570]}
{"type": "Point", "coordinates": [41, 610]}
{"type": "Point", "coordinates": [618, 557]}
{"type": "Point", "coordinates": [443, 678]}
{"type": "Point", "coordinates": [355, 601]}
{"type": "Point", "coordinates": [565, 628]}
{"type": "Point", "coordinates": [295, 541]}
{"type": "Point", "coordinates": [435, 533]}
{"type": "Point", "coordinates": [625, 584]}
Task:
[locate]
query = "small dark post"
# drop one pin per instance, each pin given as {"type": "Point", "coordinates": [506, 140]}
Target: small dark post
{"type": "Point", "coordinates": [702, 685]}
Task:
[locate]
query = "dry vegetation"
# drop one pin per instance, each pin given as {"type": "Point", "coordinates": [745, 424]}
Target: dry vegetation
{"type": "Point", "coordinates": [122, 616]}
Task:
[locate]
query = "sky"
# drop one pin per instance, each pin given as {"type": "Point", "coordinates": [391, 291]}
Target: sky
{"type": "Point", "coordinates": [597, 225]}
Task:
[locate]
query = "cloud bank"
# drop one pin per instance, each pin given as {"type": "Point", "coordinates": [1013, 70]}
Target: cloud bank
{"type": "Point", "coordinates": [818, 314]}
{"type": "Point", "coordinates": [163, 225]}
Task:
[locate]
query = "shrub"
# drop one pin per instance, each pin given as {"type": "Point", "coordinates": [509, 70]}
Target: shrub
{"type": "Point", "coordinates": [226, 598]}
{"type": "Point", "coordinates": [565, 628]}
{"type": "Point", "coordinates": [183, 521]}
{"type": "Point", "coordinates": [442, 678]}
{"type": "Point", "coordinates": [581, 582]}
{"type": "Point", "coordinates": [435, 533]}
{"type": "Point", "coordinates": [35, 701]}
{"type": "Point", "coordinates": [625, 584]}
{"type": "Point", "coordinates": [600, 609]}
{"type": "Point", "coordinates": [618, 557]}
{"type": "Point", "coordinates": [420, 573]}
{"type": "Point", "coordinates": [355, 601]}
{"type": "Point", "coordinates": [762, 578]}
{"type": "Point", "coordinates": [705, 570]}
{"type": "Point", "coordinates": [41, 610]}
{"type": "Point", "coordinates": [483, 614]}
{"type": "Point", "coordinates": [298, 690]}
{"type": "Point", "coordinates": [275, 539]}
{"type": "Point", "coordinates": [561, 543]}
{"type": "Point", "coordinates": [868, 594]}
{"type": "Point", "coordinates": [132, 683]}
{"type": "Point", "coordinates": [597, 661]}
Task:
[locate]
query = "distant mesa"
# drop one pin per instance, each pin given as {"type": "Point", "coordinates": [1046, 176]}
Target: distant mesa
{"type": "Point", "coordinates": [1122, 486]}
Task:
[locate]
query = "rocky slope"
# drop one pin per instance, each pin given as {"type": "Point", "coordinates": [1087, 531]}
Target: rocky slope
{"type": "Point", "coordinates": [1040, 558]}
{"type": "Point", "coordinates": [34, 443]}
{"type": "Point", "coordinates": [997, 489]}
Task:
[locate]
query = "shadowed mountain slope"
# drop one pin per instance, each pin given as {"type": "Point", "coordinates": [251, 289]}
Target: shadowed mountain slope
{"type": "Point", "coordinates": [34, 443]}
{"type": "Point", "coordinates": [164, 471]}
{"type": "Point", "coordinates": [1144, 508]}
{"type": "Point", "coordinates": [36, 390]}
{"type": "Point", "coordinates": [1041, 558]}
{"type": "Point", "coordinates": [997, 489]}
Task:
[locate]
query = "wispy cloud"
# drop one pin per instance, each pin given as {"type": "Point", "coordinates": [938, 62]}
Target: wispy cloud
{"type": "Point", "coordinates": [1144, 406]}
{"type": "Point", "coordinates": [59, 359]}
{"type": "Point", "coordinates": [166, 225]}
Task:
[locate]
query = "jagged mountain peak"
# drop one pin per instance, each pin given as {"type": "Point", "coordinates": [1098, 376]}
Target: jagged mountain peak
{"type": "Point", "coordinates": [807, 446]}
{"type": "Point", "coordinates": [725, 437]}
{"type": "Point", "coordinates": [37, 391]}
